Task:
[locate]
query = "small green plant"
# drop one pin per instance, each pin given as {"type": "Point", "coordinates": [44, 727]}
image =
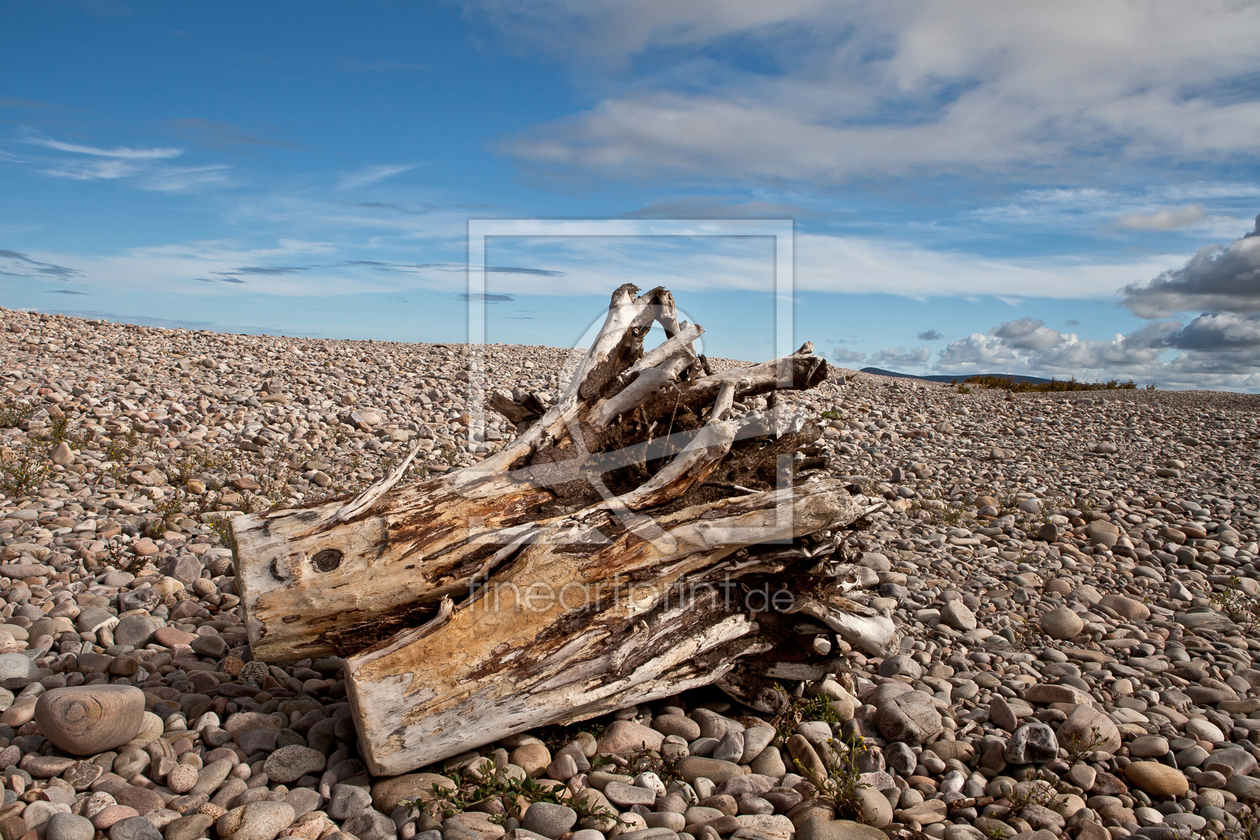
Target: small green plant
{"type": "Point", "coordinates": [222, 527]}
{"type": "Point", "coordinates": [830, 415]}
{"type": "Point", "coordinates": [991, 830]}
{"type": "Point", "coordinates": [59, 429]}
{"type": "Point", "coordinates": [963, 389]}
{"type": "Point", "coordinates": [803, 709]}
{"type": "Point", "coordinates": [14, 413]}
{"type": "Point", "coordinates": [1022, 631]}
{"type": "Point", "coordinates": [121, 560]}
{"type": "Point", "coordinates": [1078, 746]}
{"type": "Point", "coordinates": [1241, 608]}
{"type": "Point", "coordinates": [843, 779]}
{"type": "Point", "coordinates": [448, 455]}
{"type": "Point", "coordinates": [1032, 792]}
{"type": "Point", "coordinates": [23, 470]}
{"type": "Point", "coordinates": [510, 790]}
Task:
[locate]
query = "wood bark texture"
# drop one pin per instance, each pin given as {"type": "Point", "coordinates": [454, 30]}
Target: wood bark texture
{"type": "Point", "coordinates": [653, 530]}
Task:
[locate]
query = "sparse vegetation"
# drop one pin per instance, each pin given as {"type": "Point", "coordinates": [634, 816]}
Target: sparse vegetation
{"type": "Point", "coordinates": [1034, 791]}
{"type": "Point", "coordinates": [1016, 386]}
{"type": "Point", "coordinates": [23, 470]}
{"type": "Point", "coordinates": [803, 709]}
{"type": "Point", "coordinates": [1241, 608]}
{"type": "Point", "coordinates": [843, 779]}
{"type": "Point", "coordinates": [511, 790]}
{"type": "Point", "coordinates": [14, 413]}
{"type": "Point", "coordinates": [1079, 747]}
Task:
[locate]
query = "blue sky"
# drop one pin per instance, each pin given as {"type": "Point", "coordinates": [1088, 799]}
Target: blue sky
{"type": "Point", "coordinates": [1057, 189]}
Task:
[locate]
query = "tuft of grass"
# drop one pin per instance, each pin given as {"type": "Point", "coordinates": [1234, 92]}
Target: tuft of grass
{"type": "Point", "coordinates": [14, 413]}
{"type": "Point", "coordinates": [1242, 609]}
{"type": "Point", "coordinates": [23, 470]}
{"type": "Point", "coordinates": [222, 527]}
{"type": "Point", "coordinates": [803, 709]}
{"type": "Point", "coordinates": [495, 783]}
{"type": "Point", "coordinates": [843, 780]}
{"type": "Point", "coordinates": [1078, 747]}
{"type": "Point", "coordinates": [1032, 792]}
{"type": "Point", "coordinates": [59, 429]}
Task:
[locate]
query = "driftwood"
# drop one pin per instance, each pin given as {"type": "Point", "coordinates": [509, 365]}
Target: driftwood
{"type": "Point", "coordinates": [650, 532]}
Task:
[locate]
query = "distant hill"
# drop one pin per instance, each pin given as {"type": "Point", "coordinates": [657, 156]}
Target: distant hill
{"type": "Point", "coordinates": [1034, 380]}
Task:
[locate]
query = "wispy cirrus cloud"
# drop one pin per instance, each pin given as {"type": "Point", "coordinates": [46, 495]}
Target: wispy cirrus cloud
{"type": "Point", "coordinates": [371, 175]}
{"type": "Point", "coordinates": [145, 168]}
{"type": "Point", "coordinates": [120, 153]}
{"type": "Point", "coordinates": [21, 265]}
{"type": "Point", "coordinates": [220, 135]}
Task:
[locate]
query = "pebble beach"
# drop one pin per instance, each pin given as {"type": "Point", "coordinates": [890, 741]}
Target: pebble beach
{"type": "Point", "coordinates": [1075, 577]}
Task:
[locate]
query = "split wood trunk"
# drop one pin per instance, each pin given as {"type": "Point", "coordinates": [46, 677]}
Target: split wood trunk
{"type": "Point", "coordinates": [652, 531]}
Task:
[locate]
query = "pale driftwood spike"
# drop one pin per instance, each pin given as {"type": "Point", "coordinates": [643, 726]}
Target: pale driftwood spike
{"type": "Point", "coordinates": [722, 402]}
{"type": "Point", "coordinates": [671, 347]}
{"type": "Point", "coordinates": [374, 493]}
{"type": "Point", "coordinates": [601, 559]}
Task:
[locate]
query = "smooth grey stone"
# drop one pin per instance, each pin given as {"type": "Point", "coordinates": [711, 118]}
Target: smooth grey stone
{"type": "Point", "coordinates": [549, 819]}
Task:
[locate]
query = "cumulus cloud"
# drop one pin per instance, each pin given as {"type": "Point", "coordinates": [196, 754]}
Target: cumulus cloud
{"type": "Point", "coordinates": [843, 356]}
{"type": "Point", "coordinates": [1219, 331]}
{"type": "Point", "coordinates": [1216, 279]}
{"type": "Point", "coordinates": [1213, 350]}
{"type": "Point", "coordinates": [1165, 218]}
{"type": "Point", "coordinates": [901, 356]}
{"type": "Point", "coordinates": [1028, 334]}
{"type": "Point", "coordinates": [930, 335]}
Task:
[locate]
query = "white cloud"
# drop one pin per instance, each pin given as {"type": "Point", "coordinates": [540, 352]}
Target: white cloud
{"type": "Point", "coordinates": [867, 265]}
{"type": "Point", "coordinates": [371, 175]}
{"type": "Point", "coordinates": [843, 356]}
{"type": "Point", "coordinates": [901, 356]}
{"type": "Point", "coordinates": [1165, 218]}
{"type": "Point", "coordinates": [895, 86]}
{"type": "Point", "coordinates": [147, 169]}
{"type": "Point", "coordinates": [121, 153]}
{"type": "Point", "coordinates": [1214, 352]}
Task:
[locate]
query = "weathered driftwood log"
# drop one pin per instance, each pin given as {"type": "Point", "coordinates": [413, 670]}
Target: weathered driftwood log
{"type": "Point", "coordinates": [638, 538]}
